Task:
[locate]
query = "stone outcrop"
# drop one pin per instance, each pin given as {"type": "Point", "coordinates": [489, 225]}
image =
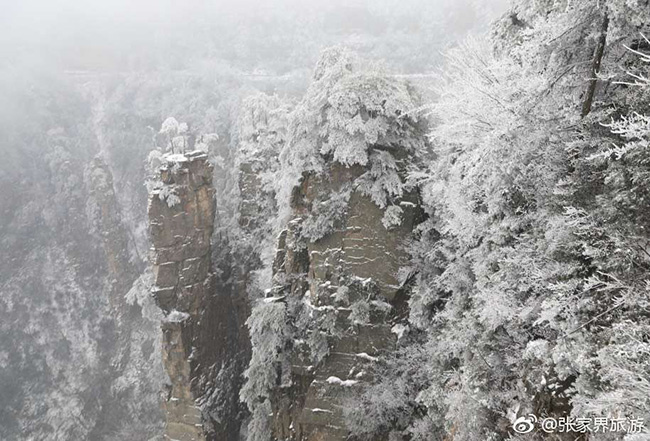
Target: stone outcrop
{"type": "Point", "coordinates": [330, 310]}
{"type": "Point", "coordinates": [181, 215]}
{"type": "Point", "coordinates": [360, 246]}
{"type": "Point", "coordinates": [336, 303]}
{"type": "Point", "coordinates": [356, 262]}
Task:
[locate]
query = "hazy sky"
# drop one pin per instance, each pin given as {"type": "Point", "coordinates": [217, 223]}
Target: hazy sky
{"type": "Point", "coordinates": [119, 33]}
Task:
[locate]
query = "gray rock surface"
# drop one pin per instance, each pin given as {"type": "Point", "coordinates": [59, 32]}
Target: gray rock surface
{"type": "Point", "coordinates": [183, 289]}
{"type": "Point", "coordinates": [359, 256]}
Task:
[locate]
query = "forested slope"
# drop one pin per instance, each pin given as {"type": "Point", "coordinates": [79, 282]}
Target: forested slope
{"type": "Point", "coordinates": [432, 264]}
{"type": "Point", "coordinates": [527, 283]}
{"type": "Point", "coordinates": [531, 273]}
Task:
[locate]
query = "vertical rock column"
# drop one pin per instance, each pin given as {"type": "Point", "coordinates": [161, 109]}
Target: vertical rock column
{"type": "Point", "coordinates": [336, 304]}
{"type": "Point", "coordinates": [361, 257]}
{"type": "Point", "coordinates": [181, 217]}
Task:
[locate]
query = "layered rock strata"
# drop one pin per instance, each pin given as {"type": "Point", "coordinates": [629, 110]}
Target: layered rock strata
{"type": "Point", "coordinates": [351, 275]}
{"type": "Point", "coordinates": [181, 215]}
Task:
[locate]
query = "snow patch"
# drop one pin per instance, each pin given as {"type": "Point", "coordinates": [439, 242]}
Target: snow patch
{"type": "Point", "coordinates": [176, 157]}
{"type": "Point", "coordinates": [337, 380]}
{"type": "Point", "coordinates": [399, 330]}
{"type": "Point", "coordinates": [365, 356]}
{"type": "Point", "coordinates": [177, 316]}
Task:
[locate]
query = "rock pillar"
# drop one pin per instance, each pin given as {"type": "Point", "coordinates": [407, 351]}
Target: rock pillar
{"type": "Point", "coordinates": [181, 216]}
{"type": "Point", "coordinates": [350, 274]}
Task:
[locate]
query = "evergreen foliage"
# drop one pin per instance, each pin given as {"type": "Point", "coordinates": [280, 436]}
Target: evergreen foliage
{"type": "Point", "coordinates": [531, 285]}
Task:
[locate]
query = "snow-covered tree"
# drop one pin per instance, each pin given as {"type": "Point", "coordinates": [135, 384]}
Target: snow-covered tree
{"type": "Point", "coordinates": [354, 114]}
{"type": "Point", "coordinates": [535, 247]}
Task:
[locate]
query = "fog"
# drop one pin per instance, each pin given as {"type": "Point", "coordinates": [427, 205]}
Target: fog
{"type": "Point", "coordinates": [277, 35]}
{"type": "Point", "coordinates": [85, 86]}
{"type": "Point", "coordinates": [324, 220]}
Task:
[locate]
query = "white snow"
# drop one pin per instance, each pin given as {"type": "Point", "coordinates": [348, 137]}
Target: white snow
{"type": "Point", "coordinates": [176, 157]}
{"type": "Point", "coordinates": [337, 380]}
{"type": "Point", "coordinates": [365, 356]}
{"type": "Point", "coordinates": [177, 316]}
{"type": "Point", "coordinates": [399, 330]}
{"type": "Point", "coordinates": [170, 126]}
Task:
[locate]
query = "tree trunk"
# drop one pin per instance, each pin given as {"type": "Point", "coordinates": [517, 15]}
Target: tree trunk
{"type": "Point", "coordinates": [595, 67]}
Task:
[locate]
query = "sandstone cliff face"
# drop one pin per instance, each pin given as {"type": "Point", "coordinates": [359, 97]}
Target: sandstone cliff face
{"type": "Point", "coordinates": [350, 274]}
{"type": "Point", "coordinates": [330, 311]}
{"type": "Point", "coordinates": [181, 214]}
{"type": "Point", "coordinates": [325, 308]}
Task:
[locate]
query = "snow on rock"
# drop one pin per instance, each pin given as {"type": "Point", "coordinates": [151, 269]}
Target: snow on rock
{"type": "Point", "coordinates": [337, 380]}
{"type": "Point", "coordinates": [318, 410]}
{"type": "Point", "coordinates": [365, 356]}
{"type": "Point", "coordinates": [399, 330]}
{"type": "Point", "coordinates": [177, 316]}
{"type": "Point", "coordinates": [176, 157]}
